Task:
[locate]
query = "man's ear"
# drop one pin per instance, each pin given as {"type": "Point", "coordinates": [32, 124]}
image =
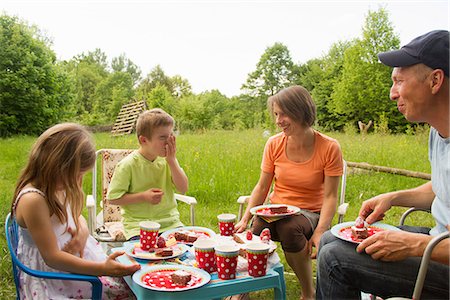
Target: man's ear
{"type": "Point", "coordinates": [437, 80]}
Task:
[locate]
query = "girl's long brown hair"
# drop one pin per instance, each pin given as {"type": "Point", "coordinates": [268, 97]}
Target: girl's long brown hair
{"type": "Point", "coordinates": [56, 161]}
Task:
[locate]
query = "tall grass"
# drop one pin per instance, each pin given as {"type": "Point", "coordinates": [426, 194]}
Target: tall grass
{"type": "Point", "coordinates": [222, 165]}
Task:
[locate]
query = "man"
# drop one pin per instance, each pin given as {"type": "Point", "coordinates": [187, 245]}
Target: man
{"type": "Point", "coordinates": [386, 264]}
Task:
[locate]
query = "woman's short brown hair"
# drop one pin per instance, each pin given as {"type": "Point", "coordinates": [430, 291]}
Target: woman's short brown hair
{"type": "Point", "coordinates": [296, 102]}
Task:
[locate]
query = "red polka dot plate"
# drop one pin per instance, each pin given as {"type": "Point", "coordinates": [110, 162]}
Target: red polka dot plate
{"type": "Point", "coordinates": [158, 277]}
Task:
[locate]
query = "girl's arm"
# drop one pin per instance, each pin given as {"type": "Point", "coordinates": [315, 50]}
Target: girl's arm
{"type": "Point", "coordinates": [331, 186]}
{"type": "Point", "coordinates": [257, 197]}
{"type": "Point", "coordinates": [33, 213]}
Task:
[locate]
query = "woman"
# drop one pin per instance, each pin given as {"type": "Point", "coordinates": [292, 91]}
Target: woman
{"type": "Point", "coordinates": [305, 166]}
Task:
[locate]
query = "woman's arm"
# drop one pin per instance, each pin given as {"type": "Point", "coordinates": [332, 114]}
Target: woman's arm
{"type": "Point", "coordinates": [257, 197]}
{"type": "Point", "coordinates": [33, 213]}
{"type": "Point", "coordinates": [331, 186]}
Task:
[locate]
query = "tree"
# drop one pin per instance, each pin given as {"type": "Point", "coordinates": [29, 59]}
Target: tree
{"type": "Point", "coordinates": [319, 77]}
{"type": "Point", "coordinates": [176, 85]}
{"type": "Point", "coordinates": [274, 71]}
{"type": "Point", "coordinates": [33, 90]}
{"type": "Point", "coordinates": [125, 65]}
{"type": "Point", "coordinates": [362, 93]}
{"type": "Point", "coordinates": [161, 97]}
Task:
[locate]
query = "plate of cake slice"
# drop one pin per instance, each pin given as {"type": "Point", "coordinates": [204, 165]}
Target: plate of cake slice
{"type": "Point", "coordinates": [171, 278]}
{"type": "Point", "coordinates": [134, 250]}
{"type": "Point", "coordinates": [354, 233]}
{"type": "Point", "coordinates": [274, 210]}
{"type": "Point", "coordinates": [188, 234]}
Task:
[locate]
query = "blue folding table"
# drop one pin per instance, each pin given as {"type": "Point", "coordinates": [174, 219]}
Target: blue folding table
{"type": "Point", "coordinates": [216, 288]}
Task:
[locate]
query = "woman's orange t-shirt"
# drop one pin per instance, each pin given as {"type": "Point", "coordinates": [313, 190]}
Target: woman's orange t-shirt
{"type": "Point", "coordinates": [301, 184]}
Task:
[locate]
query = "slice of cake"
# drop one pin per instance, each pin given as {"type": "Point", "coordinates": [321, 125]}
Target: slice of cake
{"type": "Point", "coordinates": [282, 209]}
{"type": "Point", "coordinates": [360, 233]}
{"type": "Point", "coordinates": [181, 235]}
{"type": "Point", "coordinates": [191, 237]}
{"type": "Point", "coordinates": [180, 277]}
{"type": "Point", "coordinates": [359, 230]}
{"type": "Point", "coordinates": [238, 239]}
{"type": "Point", "coordinates": [164, 252]}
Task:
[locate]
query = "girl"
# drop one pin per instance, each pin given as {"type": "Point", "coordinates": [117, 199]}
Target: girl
{"type": "Point", "coordinates": [47, 206]}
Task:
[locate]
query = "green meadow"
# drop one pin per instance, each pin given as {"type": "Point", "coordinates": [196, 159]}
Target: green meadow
{"type": "Point", "coordinates": [223, 165]}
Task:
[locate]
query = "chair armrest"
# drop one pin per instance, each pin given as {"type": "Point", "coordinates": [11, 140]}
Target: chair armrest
{"type": "Point", "coordinates": [409, 211]}
{"type": "Point", "coordinates": [91, 209]}
{"type": "Point", "coordinates": [191, 201]}
{"type": "Point", "coordinates": [186, 199]}
{"type": "Point", "coordinates": [425, 261]}
{"type": "Point", "coordinates": [242, 200]}
{"type": "Point", "coordinates": [342, 210]}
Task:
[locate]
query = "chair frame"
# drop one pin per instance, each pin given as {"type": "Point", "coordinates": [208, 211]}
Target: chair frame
{"type": "Point", "coordinates": [12, 239]}
{"type": "Point", "coordinates": [91, 200]}
{"type": "Point", "coordinates": [341, 210]}
{"type": "Point", "coordinates": [426, 254]}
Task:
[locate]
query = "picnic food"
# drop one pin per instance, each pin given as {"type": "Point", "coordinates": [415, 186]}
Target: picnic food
{"type": "Point", "coordinates": [185, 236]}
{"type": "Point", "coordinates": [163, 252]}
{"type": "Point", "coordinates": [161, 242]}
{"type": "Point", "coordinates": [282, 209]}
{"type": "Point", "coordinates": [265, 235]}
{"type": "Point", "coordinates": [238, 239]}
{"type": "Point", "coordinates": [180, 277]}
{"type": "Point", "coordinates": [249, 235]}
{"type": "Point", "coordinates": [359, 230]}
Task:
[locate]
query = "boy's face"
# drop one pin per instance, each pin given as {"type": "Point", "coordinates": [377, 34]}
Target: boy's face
{"type": "Point", "coordinates": [156, 145]}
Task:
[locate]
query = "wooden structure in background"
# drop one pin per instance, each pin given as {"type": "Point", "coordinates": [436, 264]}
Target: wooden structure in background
{"type": "Point", "coordinates": [126, 120]}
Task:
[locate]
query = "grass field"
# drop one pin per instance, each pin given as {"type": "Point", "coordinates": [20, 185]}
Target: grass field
{"type": "Point", "coordinates": [223, 165]}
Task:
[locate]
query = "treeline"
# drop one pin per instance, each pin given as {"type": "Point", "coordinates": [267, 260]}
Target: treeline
{"type": "Point", "coordinates": [348, 85]}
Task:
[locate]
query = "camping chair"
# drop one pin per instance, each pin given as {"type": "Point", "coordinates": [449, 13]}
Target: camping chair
{"type": "Point", "coordinates": [107, 225]}
{"type": "Point", "coordinates": [342, 208]}
{"type": "Point", "coordinates": [425, 258]}
{"type": "Point", "coordinates": [12, 239]}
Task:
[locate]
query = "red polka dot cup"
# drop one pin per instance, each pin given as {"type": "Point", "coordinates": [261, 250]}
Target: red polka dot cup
{"type": "Point", "coordinates": [148, 234]}
{"type": "Point", "coordinates": [257, 254]}
{"type": "Point", "coordinates": [226, 259]}
{"type": "Point", "coordinates": [226, 224]}
{"type": "Point", "coordinates": [204, 254]}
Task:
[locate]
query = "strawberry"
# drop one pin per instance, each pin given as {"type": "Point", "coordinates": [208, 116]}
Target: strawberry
{"type": "Point", "coordinates": [249, 235]}
{"type": "Point", "coordinates": [161, 242]}
{"type": "Point", "coordinates": [265, 233]}
{"type": "Point", "coordinates": [265, 239]}
{"type": "Point", "coordinates": [359, 222]}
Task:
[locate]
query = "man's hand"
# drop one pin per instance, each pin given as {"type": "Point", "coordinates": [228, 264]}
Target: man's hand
{"type": "Point", "coordinates": [373, 210]}
{"type": "Point", "coordinates": [154, 195]}
{"type": "Point", "coordinates": [390, 245]}
{"type": "Point", "coordinates": [314, 241]}
{"type": "Point", "coordinates": [78, 242]}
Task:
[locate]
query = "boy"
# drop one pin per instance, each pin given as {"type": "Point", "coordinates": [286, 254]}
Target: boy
{"type": "Point", "coordinates": [144, 182]}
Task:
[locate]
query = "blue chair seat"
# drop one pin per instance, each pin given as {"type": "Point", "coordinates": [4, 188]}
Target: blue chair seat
{"type": "Point", "coordinates": [12, 240]}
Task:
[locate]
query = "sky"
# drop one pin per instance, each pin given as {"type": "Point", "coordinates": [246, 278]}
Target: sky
{"type": "Point", "coordinates": [215, 44]}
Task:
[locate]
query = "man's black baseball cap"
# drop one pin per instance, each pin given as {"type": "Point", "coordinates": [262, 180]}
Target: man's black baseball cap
{"type": "Point", "coordinates": [430, 49]}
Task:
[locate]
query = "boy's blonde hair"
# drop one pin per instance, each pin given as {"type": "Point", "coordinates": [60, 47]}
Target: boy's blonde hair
{"type": "Point", "coordinates": [297, 103]}
{"type": "Point", "coordinates": [56, 160]}
{"type": "Point", "coordinates": [151, 119]}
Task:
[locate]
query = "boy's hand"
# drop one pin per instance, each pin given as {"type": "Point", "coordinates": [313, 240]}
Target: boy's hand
{"type": "Point", "coordinates": [154, 195]}
{"type": "Point", "coordinates": [171, 148]}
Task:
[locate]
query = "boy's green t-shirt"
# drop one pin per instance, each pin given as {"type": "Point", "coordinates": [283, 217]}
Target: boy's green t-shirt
{"type": "Point", "coordinates": [135, 174]}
